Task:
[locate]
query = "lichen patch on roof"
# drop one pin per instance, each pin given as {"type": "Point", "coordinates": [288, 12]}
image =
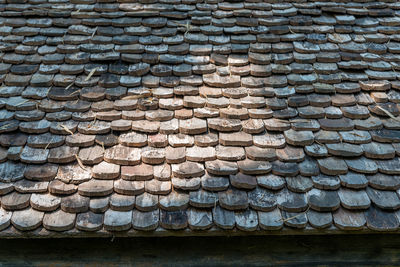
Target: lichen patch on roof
{"type": "Point", "coordinates": [207, 116]}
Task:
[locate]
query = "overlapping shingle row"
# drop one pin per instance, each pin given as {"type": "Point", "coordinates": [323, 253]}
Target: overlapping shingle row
{"type": "Point", "coordinates": [199, 115]}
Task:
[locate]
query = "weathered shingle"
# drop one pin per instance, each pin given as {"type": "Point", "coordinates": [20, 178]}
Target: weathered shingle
{"type": "Point", "coordinates": [229, 116]}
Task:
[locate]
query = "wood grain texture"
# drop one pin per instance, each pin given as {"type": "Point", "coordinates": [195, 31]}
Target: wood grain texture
{"type": "Point", "coordinates": [360, 250]}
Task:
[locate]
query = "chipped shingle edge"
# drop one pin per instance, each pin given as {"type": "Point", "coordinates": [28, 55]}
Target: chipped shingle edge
{"type": "Point", "coordinates": [12, 233]}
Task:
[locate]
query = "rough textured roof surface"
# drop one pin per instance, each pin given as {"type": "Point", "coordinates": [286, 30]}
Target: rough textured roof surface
{"type": "Point", "coordinates": [203, 116]}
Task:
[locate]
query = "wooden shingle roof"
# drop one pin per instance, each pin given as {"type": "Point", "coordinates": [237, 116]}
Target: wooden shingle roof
{"type": "Point", "coordinates": [144, 117]}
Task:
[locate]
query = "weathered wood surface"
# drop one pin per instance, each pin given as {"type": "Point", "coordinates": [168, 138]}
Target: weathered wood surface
{"type": "Point", "coordinates": [361, 250]}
